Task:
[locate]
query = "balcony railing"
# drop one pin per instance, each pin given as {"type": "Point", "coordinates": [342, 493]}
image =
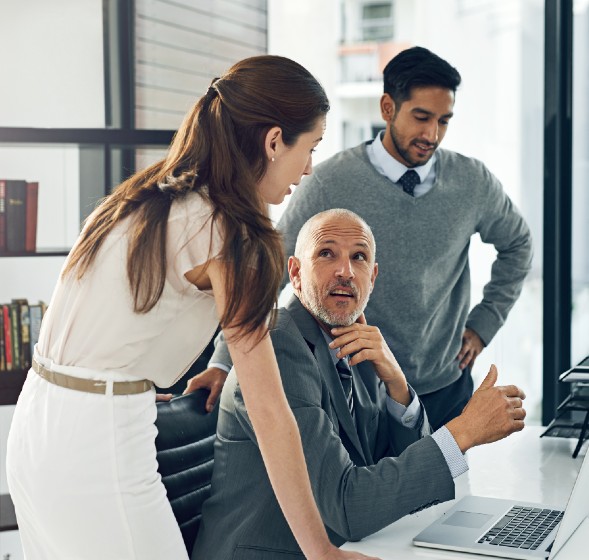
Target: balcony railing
{"type": "Point", "coordinates": [364, 62]}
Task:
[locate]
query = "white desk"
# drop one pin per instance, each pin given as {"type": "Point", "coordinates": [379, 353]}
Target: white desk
{"type": "Point", "coordinates": [522, 466]}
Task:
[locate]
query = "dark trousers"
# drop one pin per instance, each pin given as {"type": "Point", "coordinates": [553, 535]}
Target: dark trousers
{"type": "Point", "coordinates": [447, 403]}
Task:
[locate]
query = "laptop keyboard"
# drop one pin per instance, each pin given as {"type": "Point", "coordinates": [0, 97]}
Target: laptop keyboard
{"type": "Point", "coordinates": [523, 527]}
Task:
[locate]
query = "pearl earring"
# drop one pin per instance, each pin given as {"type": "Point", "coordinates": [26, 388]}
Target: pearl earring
{"type": "Point", "coordinates": [272, 159]}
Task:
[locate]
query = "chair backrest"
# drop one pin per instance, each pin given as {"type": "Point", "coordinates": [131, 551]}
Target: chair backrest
{"type": "Point", "coordinates": [186, 434]}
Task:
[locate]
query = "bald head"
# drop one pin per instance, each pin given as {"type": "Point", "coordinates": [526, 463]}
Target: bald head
{"type": "Point", "coordinates": [335, 219]}
{"type": "Point", "coordinates": [333, 268]}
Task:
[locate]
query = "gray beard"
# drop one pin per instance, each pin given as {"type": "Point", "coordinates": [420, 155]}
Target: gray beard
{"type": "Point", "coordinates": [330, 319]}
{"type": "Point", "coordinates": [310, 300]}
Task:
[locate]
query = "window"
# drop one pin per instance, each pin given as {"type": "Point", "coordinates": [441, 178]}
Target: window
{"type": "Point", "coordinates": [377, 21]}
{"type": "Point", "coordinates": [580, 227]}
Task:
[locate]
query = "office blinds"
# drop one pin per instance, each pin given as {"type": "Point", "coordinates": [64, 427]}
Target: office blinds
{"type": "Point", "coordinates": [181, 44]}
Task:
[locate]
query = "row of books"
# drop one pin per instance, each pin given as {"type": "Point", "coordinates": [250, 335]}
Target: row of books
{"type": "Point", "coordinates": [18, 215]}
{"type": "Point", "coordinates": [20, 323]}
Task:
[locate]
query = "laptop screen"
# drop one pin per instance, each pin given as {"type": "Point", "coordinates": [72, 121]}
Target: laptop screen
{"type": "Point", "coordinates": [576, 510]}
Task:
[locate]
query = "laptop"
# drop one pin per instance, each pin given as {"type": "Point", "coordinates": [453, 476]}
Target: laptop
{"type": "Point", "coordinates": [509, 529]}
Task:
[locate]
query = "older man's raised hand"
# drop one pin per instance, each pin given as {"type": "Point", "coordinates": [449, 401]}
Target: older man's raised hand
{"type": "Point", "coordinates": [493, 412]}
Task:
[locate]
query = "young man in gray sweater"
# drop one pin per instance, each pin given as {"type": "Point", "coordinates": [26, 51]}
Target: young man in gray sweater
{"type": "Point", "coordinates": [423, 204]}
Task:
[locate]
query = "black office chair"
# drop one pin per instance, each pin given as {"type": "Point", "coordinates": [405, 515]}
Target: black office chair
{"type": "Point", "coordinates": [186, 433]}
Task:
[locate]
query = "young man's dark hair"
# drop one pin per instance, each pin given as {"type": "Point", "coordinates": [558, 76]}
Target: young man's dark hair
{"type": "Point", "coordinates": [417, 67]}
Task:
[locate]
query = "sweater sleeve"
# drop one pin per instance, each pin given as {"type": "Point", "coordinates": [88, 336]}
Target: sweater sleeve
{"type": "Point", "coordinates": [501, 224]}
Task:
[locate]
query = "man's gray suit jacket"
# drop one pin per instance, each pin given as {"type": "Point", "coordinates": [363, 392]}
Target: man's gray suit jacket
{"type": "Point", "coordinates": [364, 474]}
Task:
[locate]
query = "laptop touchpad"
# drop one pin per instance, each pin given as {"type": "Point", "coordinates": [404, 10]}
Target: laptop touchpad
{"type": "Point", "coordinates": [467, 519]}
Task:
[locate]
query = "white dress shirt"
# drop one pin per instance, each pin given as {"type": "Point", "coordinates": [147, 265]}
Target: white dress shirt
{"type": "Point", "coordinates": [393, 170]}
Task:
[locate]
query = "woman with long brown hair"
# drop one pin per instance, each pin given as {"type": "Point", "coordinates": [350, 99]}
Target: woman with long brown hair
{"type": "Point", "coordinates": [175, 250]}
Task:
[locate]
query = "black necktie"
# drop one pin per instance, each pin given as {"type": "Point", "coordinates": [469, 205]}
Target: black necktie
{"type": "Point", "coordinates": [345, 376]}
{"type": "Point", "coordinates": [409, 180]}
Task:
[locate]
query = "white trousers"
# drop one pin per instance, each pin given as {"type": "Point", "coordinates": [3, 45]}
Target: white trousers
{"type": "Point", "coordinates": [82, 473]}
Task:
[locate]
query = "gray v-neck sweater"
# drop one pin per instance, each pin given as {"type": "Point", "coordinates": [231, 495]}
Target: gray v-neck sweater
{"type": "Point", "coordinates": [421, 298]}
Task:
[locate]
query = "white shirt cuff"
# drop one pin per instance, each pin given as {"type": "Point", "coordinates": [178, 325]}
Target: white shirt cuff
{"type": "Point", "coordinates": [408, 416]}
{"type": "Point", "coordinates": [225, 368]}
{"type": "Point", "coordinates": [454, 458]}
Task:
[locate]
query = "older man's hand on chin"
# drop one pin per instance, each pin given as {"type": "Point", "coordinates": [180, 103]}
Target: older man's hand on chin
{"type": "Point", "coordinates": [363, 342]}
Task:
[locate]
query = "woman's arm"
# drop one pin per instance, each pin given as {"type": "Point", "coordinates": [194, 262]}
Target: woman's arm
{"type": "Point", "coordinates": [277, 433]}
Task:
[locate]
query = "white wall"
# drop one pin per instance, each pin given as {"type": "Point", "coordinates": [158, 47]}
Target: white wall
{"type": "Point", "coordinates": [51, 60]}
{"type": "Point", "coordinates": [308, 33]}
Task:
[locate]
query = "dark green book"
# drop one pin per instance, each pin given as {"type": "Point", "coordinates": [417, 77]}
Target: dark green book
{"type": "Point", "coordinates": [25, 333]}
{"type": "Point", "coordinates": [15, 211]}
{"type": "Point", "coordinates": [16, 335]}
{"type": "Point", "coordinates": [35, 316]}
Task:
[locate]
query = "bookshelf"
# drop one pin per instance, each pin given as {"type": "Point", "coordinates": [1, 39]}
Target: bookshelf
{"type": "Point", "coordinates": [101, 157]}
{"type": "Point", "coordinates": [55, 252]}
{"type": "Point", "coordinates": [106, 157]}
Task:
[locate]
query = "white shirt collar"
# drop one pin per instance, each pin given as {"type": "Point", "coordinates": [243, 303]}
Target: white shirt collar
{"type": "Point", "coordinates": [333, 351]}
{"type": "Point", "coordinates": [388, 166]}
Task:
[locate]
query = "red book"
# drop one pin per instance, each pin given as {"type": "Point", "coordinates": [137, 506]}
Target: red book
{"type": "Point", "coordinates": [31, 205]}
{"type": "Point", "coordinates": [2, 215]}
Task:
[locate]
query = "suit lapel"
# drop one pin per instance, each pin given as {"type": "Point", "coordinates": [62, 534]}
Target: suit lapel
{"type": "Point", "coordinates": [312, 333]}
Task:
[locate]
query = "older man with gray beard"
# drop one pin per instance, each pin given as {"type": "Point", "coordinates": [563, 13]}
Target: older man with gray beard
{"type": "Point", "coordinates": [370, 452]}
